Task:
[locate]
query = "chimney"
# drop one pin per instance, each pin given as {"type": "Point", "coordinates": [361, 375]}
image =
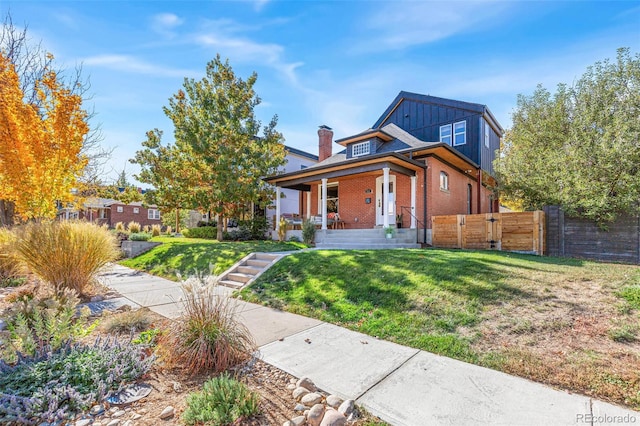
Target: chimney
{"type": "Point", "coordinates": [325, 140]}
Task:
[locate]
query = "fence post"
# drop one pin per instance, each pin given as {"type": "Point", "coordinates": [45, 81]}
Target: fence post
{"type": "Point", "coordinates": [460, 219]}
{"type": "Point", "coordinates": [560, 232]}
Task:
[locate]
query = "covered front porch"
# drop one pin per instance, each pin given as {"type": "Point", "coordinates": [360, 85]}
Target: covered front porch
{"type": "Point", "coordinates": [373, 193]}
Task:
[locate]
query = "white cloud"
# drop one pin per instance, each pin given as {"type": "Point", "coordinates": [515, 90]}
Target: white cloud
{"type": "Point", "coordinates": [246, 50]}
{"type": "Point", "coordinates": [260, 4]}
{"type": "Point", "coordinates": [165, 23]}
{"type": "Point", "coordinates": [399, 25]}
{"type": "Point", "coordinates": [127, 63]}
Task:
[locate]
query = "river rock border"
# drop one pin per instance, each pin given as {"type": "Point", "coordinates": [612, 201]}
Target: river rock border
{"type": "Point", "coordinates": [318, 408]}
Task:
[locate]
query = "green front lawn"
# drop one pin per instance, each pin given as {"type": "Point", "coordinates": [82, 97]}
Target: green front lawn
{"type": "Point", "coordinates": [188, 255]}
{"type": "Point", "coordinates": [549, 319]}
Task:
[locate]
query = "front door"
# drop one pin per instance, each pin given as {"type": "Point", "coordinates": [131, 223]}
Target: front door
{"type": "Point", "coordinates": [391, 212]}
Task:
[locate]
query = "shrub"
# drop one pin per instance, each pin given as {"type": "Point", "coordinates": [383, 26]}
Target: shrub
{"type": "Point", "coordinates": [294, 239]}
{"type": "Point", "coordinates": [66, 254]}
{"type": "Point", "coordinates": [139, 236]}
{"type": "Point", "coordinates": [129, 322]}
{"type": "Point", "coordinates": [241, 234]}
{"type": "Point", "coordinates": [48, 321]}
{"type": "Point", "coordinates": [148, 337]}
{"type": "Point", "coordinates": [9, 263]}
{"type": "Point", "coordinates": [119, 227]}
{"type": "Point", "coordinates": [222, 401]}
{"type": "Point", "coordinates": [156, 230]}
{"type": "Point", "coordinates": [206, 232]}
{"type": "Point", "coordinates": [207, 337]}
{"type": "Point", "coordinates": [134, 227]}
{"type": "Point", "coordinates": [54, 385]}
{"type": "Point", "coordinates": [308, 231]}
{"type": "Point", "coordinates": [205, 223]}
{"type": "Point", "coordinates": [258, 227]}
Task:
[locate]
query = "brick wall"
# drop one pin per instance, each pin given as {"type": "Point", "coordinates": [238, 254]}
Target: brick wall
{"type": "Point", "coordinates": [352, 193]}
{"type": "Point", "coordinates": [127, 215]}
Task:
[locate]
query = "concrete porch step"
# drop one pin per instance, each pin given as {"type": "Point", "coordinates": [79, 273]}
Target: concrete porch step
{"type": "Point", "coordinates": [231, 284]}
{"type": "Point", "coordinates": [266, 256]}
{"type": "Point", "coordinates": [258, 263]}
{"type": "Point", "coordinates": [247, 270]}
{"type": "Point", "coordinates": [372, 246]}
{"type": "Point", "coordinates": [240, 277]}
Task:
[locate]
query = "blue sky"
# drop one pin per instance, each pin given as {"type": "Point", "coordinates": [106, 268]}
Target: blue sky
{"type": "Point", "coordinates": [338, 63]}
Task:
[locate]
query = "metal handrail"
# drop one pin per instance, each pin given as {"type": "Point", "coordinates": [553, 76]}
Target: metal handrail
{"type": "Point", "coordinates": [419, 222]}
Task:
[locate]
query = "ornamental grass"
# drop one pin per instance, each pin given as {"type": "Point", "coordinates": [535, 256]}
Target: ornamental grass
{"type": "Point", "coordinates": [207, 337]}
{"type": "Point", "coordinates": [66, 255]}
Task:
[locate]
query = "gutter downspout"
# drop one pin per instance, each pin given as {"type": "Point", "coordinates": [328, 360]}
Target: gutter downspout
{"type": "Point", "coordinates": [424, 213]}
{"type": "Point", "coordinates": [479, 208]}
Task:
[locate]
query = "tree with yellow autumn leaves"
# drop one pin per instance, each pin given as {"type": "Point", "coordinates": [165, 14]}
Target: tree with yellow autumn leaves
{"type": "Point", "coordinates": [41, 143]}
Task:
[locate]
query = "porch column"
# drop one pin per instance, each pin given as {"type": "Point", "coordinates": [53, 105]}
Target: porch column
{"type": "Point", "coordinates": [385, 197]}
{"type": "Point", "coordinates": [308, 204]}
{"type": "Point", "coordinates": [324, 203]}
{"type": "Point", "coordinates": [413, 201]}
{"type": "Point", "coordinates": [277, 208]}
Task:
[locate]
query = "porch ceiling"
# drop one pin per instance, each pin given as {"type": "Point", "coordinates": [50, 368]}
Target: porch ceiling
{"type": "Point", "coordinates": [302, 179]}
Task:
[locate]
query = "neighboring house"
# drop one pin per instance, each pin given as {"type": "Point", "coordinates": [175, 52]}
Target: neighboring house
{"type": "Point", "coordinates": [424, 156]}
{"type": "Point", "coordinates": [291, 202]}
{"type": "Point", "coordinates": [108, 211]}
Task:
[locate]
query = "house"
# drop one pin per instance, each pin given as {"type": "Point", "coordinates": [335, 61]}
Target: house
{"type": "Point", "coordinates": [109, 211]}
{"type": "Point", "coordinates": [291, 203]}
{"type": "Point", "coordinates": [424, 156]}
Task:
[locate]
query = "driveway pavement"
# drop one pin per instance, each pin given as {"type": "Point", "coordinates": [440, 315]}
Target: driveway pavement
{"type": "Point", "coordinates": [401, 385]}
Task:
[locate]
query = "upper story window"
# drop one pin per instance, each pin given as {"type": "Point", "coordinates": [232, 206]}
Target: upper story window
{"type": "Point", "coordinates": [136, 210]}
{"type": "Point", "coordinates": [153, 214]}
{"type": "Point", "coordinates": [361, 148]}
{"type": "Point", "coordinates": [444, 181]}
{"type": "Point", "coordinates": [460, 133]}
{"type": "Point", "coordinates": [487, 134]}
{"type": "Point", "coordinates": [445, 134]}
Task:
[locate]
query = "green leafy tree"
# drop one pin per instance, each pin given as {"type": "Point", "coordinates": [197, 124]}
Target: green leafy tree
{"type": "Point", "coordinates": [578, 147]}
{"type": "Point", "coordinates": [215, 123]}
{"type": "Point", "coordinates": [169, 171]}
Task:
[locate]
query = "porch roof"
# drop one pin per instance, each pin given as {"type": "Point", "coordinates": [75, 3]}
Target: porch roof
{"type": "Point", "coordinates": [302, 178]}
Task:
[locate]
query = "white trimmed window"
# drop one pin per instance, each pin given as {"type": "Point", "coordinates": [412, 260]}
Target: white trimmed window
{"type": "Point", "coordinates": [487, 134]}
{"type": "Point", "coordinates": [460, 133]}
{"type": "Point", "coordinates": [444, 181]}
{"type": "Point", "coordinates": [136, 210]}
{"type": "Point", "coordinates": [153, 214]}
{"type": "Point", "coordinates": [445, 134]}
{"type": "Point", "coordinates": [362, 148]}
{"type": "Point", "coordinates": [119, 209]}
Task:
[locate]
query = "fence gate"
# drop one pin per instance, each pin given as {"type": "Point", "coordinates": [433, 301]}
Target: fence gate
{"type": "Point", "coordinates": [521, 232]}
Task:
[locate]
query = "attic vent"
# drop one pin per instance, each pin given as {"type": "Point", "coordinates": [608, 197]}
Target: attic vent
{"type": "Point", "coordinates": [362, 148]}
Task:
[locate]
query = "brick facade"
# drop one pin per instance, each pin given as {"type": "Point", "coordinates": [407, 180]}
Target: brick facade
{"type": "Point", "coordinates": [129, 214]}
{"type": "Point", "coordinates": [109, 215]}
{"type": "Point", "coordinates": [358, 214]}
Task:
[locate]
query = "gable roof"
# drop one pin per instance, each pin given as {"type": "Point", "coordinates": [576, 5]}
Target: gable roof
{"type": "Point", "coordinates": [469, 106]}
{"type": "Point", "coordinates": [301, 153]}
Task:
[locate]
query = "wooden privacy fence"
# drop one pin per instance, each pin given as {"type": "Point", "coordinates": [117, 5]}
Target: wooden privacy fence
{"type": "Point", "coordinates": [574, 237]}
{"type": "Point", "coordinates": [521, 232]}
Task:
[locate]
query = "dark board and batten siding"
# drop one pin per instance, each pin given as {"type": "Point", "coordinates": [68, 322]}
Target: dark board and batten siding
{"type": "Point", "coordinates": [423, 120]}
{"type": "Point", "coordinates": [581, 238]}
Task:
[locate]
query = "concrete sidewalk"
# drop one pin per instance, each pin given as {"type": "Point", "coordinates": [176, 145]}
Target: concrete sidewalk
{"type": "Point", "coordinates": [401, 385]}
